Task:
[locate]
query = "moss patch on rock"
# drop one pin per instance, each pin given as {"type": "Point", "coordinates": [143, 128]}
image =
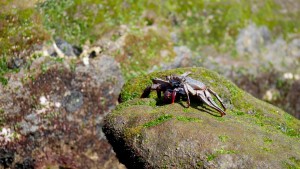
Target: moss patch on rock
{"type": "Point", "coordinates": [252, 134]}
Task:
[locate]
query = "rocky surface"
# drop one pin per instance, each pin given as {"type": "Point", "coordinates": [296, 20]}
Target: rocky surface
{"type": "Point", "coordinates": [52, 110]}
{"type": "Point", "coordinates": [146, 133]}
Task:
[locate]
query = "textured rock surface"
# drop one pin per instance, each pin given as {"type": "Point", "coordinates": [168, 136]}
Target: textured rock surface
{"type": "Point", "coordinates": [254, 134]}
{"type": "Point", "coordinates": [51, 114]}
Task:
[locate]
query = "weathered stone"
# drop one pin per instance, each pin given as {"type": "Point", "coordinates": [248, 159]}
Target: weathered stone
{"type": "Point", "coordinates": [73, 101]}
{"type": "Point", "coordinates": [146, 133]}
{"type": "Point", "coordinates": [51, 115]}
{"type": "Point", "coordinates": [252, 39]}
{"type": "Point", "coordinates": [64, 47]}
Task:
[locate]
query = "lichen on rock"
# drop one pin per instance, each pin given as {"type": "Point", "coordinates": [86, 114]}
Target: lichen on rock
{"type": "Point", "coordinates": [150, 134]}
{"type": "Point", "coordinates": [51, 114]}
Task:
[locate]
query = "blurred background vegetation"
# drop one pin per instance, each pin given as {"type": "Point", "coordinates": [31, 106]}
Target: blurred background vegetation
{"type": "Point", "coordinates": [198, 23]}
{"type": "Point", "coordinates": [206, 27]}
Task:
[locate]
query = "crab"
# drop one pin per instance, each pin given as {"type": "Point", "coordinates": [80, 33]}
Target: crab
{"type": "Point", "coordinates": [184, 86]}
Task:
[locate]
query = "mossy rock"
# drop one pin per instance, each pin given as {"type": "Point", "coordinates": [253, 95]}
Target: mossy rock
{"type": "Point", "coordinates": [150, 134]}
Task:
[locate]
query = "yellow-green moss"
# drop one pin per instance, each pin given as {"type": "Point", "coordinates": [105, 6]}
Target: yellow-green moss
{"type": "Point", "coordinates": [161, 119]}
{"type": "Point", "coordinates": [188, 119]}
{"type": "Point", "coordinates": [223, 138]}
{"type": "Point", "coordinates": [148, 102]}
{"type": "Point", "coordinates": [133, 132]}
{"type": "Point", "coordinates": [142, 51]}
{"type": "Point", "coordinates": [293, 163]}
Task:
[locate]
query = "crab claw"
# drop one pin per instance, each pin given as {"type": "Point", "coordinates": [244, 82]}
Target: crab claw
{"type": "Point", "coordinates": [146, 92]}
{"type": "Point", "coordinates": [206, 98]}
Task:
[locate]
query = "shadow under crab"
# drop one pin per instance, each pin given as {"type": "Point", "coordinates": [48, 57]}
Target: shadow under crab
{"type": "Point", "coordinates": [180, 86]}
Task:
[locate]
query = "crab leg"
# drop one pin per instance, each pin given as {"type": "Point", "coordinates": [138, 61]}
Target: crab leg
{"type": "Point", "coordinates": [217, 96]}
{"type": "Point", "coordinates": [185, 86]}
{"type": "Point", "coordinates": [146, 92]}
{"type": "Point", "coordinates": [206, 98]}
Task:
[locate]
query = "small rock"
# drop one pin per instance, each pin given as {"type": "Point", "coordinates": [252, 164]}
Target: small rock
{"type": "Point", "coordinates": [294, 48]}
{"type": "Point", "coordinates": [6, 157]}
{"type": "Point", "coordinates": [15, 63]}
{"type": "Point", "coordinates": [77, 50]}
{"type": "Point", "coordinates": [182, 59]}
{"type": "Point", "coordinates": [64, 47]}
{"type": "Point", "coordinates": [251, 39]}
{"type": "Point", "coordinates": [73, 101]}
{"type": "Point", "coordinates": [28, 163]}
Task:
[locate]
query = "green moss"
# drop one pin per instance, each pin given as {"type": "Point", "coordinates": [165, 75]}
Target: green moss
{"type": "Point", "coordinates": [198, 23]}
{"type": "Point", "coordinates": [200, 164]}
{"type": "Point", "coordinates": [143, 51]}
{"type": "Point", "coordinates": [223, 138]}
{"type": "Point", "coordinates": [2, 119]}
{"type": "Point", "coordinates": [295, 160]}
{"type": "Point", "coordinates": [148, 102]}
{"type": "Point", "coordinates": [58, 60]}
{"type": "Point", "coordinates": [292, 163]}
{"type": "Point", "coordinates": [20, 29]}
{"type": "Point", "coordinates": [239, 113]}
{"type": "Point", "coordinates": [218, 152]}
{"type": "Point", "coordinates": [4, 70]}
{"type": "Point", "coordinates": [266, 149]}
{"type": "Point", "coordinates": [133, 132]}
{"type": "Point", "coordinates": [223, 151]}
{"type": "Point", "coordinates": [267, 140]}
{"type": "Point", "coordinates": [159, 120]}
{"type": "Point", "coordinates": [227, 18]}
{"type": "Point", "coordinates": [188, 119]}
{"type": "Point", "coordinates": [284, 128]}
{"type": "Point", "coordinates": [211, 157]}
{"type": "Point", "coordinates": [44, 68]}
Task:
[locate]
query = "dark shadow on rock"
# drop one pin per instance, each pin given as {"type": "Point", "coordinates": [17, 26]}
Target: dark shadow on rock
{"type": "Point", "coordinates": [206, 111]}
{"type": "Point", "coordinates": [194, 104]}
{"type": "Point", "coordinates": [123, 151]}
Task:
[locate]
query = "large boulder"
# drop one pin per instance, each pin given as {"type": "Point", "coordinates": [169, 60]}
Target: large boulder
{"type": "Point", "coordinates": [147, 133]}
{"type": "Point", "coordinates": [52, 110]}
